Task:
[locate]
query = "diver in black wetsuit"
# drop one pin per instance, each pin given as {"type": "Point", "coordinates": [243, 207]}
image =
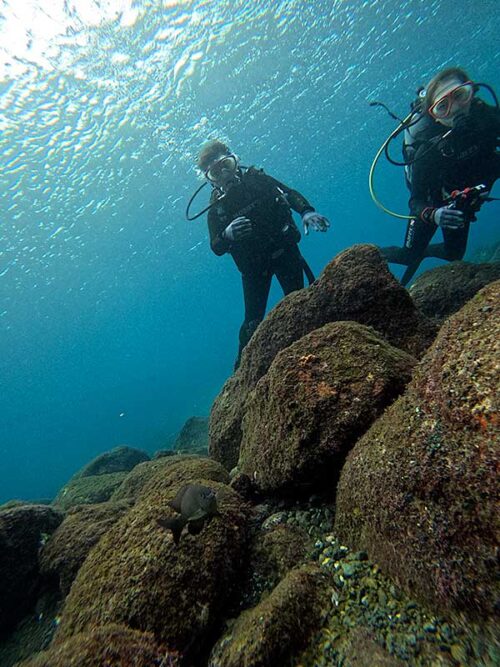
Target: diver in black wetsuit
{"type": "Point", "coordinates": [462, 153]}
{"type": "Point", "coordinates": [250, 218]}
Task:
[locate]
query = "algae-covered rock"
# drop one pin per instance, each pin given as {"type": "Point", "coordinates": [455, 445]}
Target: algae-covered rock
{"type": "Point", "coordinates": [361, 650]}
{"type": "Point", "coordinates": [119, 459]}
{"type": "Point", "coordinates": [355, 286]}
{"type": "Point", "coordinates": [23, 530]}
{"type": "Point", "coordinates": [442, 291]}
{"type": "Point", "coordinates": [83, 526]}
{"type": "Point", "coordinates": [107, 646]}
{"type": "Point", "coordinates": [182, 465]}
{"type": "Point", "coordinates": [88, 490]}
{"type": "Point", "coordinates": [279, 627]}
{"type": "Point", "coordinates": [193, 437]}
{"type": "Point", "coordinates": [419, 491]}
{"type": "Point", "coordinates": [318, 397]}
{"type": "Point", "coordinates": [137, 576]}
{"type": "Point", "coordinates": [273, 553]}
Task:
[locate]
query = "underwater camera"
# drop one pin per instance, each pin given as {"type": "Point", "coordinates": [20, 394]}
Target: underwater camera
{"type": "Point", "coordinates": [468, 200]}
{"type": "Point", "coordinates": [419, 131]}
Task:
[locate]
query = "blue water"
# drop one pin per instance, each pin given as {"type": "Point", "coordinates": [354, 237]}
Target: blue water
{"type": "Point", "coordinates": [117, 323]}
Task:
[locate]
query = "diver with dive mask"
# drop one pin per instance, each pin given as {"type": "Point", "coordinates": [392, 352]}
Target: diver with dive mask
{"type": "Point", "coordinates": [249, 217]}
{"type": "Point", "coordinates": [451, 141]}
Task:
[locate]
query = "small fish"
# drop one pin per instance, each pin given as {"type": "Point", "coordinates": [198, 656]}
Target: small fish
{"type": "Point", "coordinates": [196, 504]}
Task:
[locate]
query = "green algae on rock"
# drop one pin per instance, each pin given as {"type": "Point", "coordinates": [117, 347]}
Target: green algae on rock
{"type": "Point", "coordinates": [88, 490]}
{"type": "Point", "coordinates": [273, 553]}
{"type": "Point", "coordinates": [118, 459]}
{"type": "Point", "coordinates": [193, 437]}
{"type": "Point", "coordinates": [64, 553]}
{"type": "Point", "coordinates": [356, 285]}
{"type": "Point", "coordinates": [279, 626]}
{"type": "Point", "coordinates": [419, 491]}
{"type": "Point", "coordinates": [165, 470]}
{"type": "Point", "coordinates": [136, 576]}
{"type": "Point", "coordinates": [110, 646]}
{"type": "Point", "coordinates": [318, 397]}
{"type": "Point", "coordinates": [442, 291]}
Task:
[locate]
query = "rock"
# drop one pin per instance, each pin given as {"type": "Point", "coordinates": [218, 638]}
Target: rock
{"type": "Point", "coordinates": [111, 645]}
{"type": "Point", "coordinates": [278, 628]}
{"type": "Point", "coordinates": [34, 632]}
{"type": "Point", "coordinates": [64, 553]}
{"type": "Point", "coordinates": [88, 490]}
{"type": "Point", "coordinates": [119, 459]}
{"type": "Point", "coordinates": [23, 530]}
{"type": "Point", "coordinates": [355, 286]}
{"type": "Point", "coordinates": [361, 650]}
{"type": "Point", "coordinates": [21, 503]}
{"type": "Point", "coordinates": [318, 397]}
{"type": "Point", "coordinates": [189, 466]}
{"type": "Point", "coordinates": [193, 438]}
{"type": "Point", "coordinates": [442, 291]}
{"type": "Point", "coordinates": [419, 491]}
{"type": "Point", "coordinates": [138, 576]}
{"type": "Point", "coordinates": [273, 554]}
{"type": "Point", "coordinates": [161, 453]}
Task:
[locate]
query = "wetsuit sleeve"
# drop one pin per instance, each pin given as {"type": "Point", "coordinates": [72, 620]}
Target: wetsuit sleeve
{"type": "Point", "coordinates": [216, 227]}
{"type": "Point", "coordinates": [425, 191]}
{"type": "Point", "coordinates": [294, 198]}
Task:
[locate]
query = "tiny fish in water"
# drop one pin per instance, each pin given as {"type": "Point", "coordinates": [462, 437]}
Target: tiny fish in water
{"type": "Point", "coordinates": [196, 504]}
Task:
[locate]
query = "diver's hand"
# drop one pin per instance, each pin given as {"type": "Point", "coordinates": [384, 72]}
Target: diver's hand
{"type": "Point", "coordinates": [238, 230]}
{"type": "Point", "coordinates": [312, 219]}
{"type": "Point", "coordinates": [449, 218]}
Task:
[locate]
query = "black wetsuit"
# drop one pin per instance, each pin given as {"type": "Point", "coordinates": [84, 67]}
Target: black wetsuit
{"type": "Point", "coordinates": [469, 157]}
{"type": "Point", "coordinates": [271, 250]}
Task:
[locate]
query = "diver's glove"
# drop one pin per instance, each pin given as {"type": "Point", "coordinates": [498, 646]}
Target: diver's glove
{"type": "Point", "coordinates": [448, 218]}
{"type": "Point", "coordinates": [312, 219]}
{"type": "Point", "coordinates": [238, 230]}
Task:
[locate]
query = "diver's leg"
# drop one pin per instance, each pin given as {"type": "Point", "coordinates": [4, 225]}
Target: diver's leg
{"type": "Point", "coordinates": [289, 270]}
{"type": "Point", "coordinates": [454, 246]}
{"type": "Point", "coordinates": [256, 288]}
{"type": "Point", "coordinates": [417, 237]}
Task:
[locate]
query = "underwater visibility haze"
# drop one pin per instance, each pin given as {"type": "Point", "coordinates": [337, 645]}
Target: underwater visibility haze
{"type": "Point", "coordinates": [117, 322]}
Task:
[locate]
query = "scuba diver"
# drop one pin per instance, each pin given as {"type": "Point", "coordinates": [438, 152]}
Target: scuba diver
{"type": "Point", "coordinates": [249, 217]}
{"type": "Point", "coordinates": [451, 163]}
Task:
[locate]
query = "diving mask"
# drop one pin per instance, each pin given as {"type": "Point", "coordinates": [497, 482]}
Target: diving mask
{"type": "Point", "coordinates": [459, 97]}
{"type": "Point", "coordinates": [224, 166]}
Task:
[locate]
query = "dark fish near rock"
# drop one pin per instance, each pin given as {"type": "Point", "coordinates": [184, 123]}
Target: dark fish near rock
{"type": "Point", "coordinates": [196, 504]}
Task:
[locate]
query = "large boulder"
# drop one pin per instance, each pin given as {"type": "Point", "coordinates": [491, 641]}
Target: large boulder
{"type": "Point", "coordinates": [442, 291]}
{"type": "Point", "coordinates": [419, 491]}
{"type": "Point", "coordinates": [88, 490]}
{"type": "Point", "coordinates": [280, 626]}
{"type": "Point", "coordinates": [318, 397]}
{"type": "Point", "coordinates": [119, 459]}
{"type": "Point", "coordinates": [110, 646]}
{"type": "Point", "coordinates": [193, 437]}
{"type": "Point", "coordinates": [139, 577]}
{"type": "Point", "coordinates": [23, 530]}
{"type": "Point", "coordinates": [163, 468]}
{"type": "Point", "coordinates": [355, 286]}
{"type": "Point", "coordinates": [68, 547]}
